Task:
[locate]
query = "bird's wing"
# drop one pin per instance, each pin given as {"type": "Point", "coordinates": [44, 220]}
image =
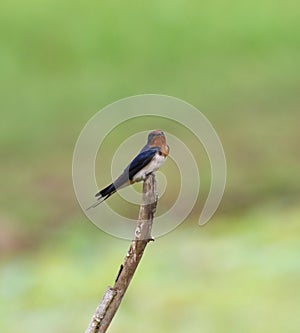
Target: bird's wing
{"type": "Point", "coordinates": [137, 164]}
{"type": "Point", "coordinates": [140, 161]}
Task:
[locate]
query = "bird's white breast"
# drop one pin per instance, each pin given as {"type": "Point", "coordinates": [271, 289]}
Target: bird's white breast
{"type": "Point", "coordinates": [155, 164]}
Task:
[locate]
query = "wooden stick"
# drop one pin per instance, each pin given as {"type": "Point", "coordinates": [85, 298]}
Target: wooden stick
{"type": "Point", "coordinates": [112, 297]}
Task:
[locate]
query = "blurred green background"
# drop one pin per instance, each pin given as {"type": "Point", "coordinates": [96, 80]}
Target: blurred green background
{"type": "Point", "coordinates": [238, 62]}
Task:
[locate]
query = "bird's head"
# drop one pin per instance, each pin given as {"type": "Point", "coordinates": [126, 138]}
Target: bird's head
{"type": "Point", "coordinates": [157, 139]}
{"type": "Point", "coordinates": [157, 134]}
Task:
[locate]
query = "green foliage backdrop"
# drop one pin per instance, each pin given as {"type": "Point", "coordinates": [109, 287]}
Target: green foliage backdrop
{"type": "Point", "coordinates": [238, 62]}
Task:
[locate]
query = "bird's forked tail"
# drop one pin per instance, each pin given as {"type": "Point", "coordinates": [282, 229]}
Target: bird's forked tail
{"type": "Point", "coordinates": [103, 195]}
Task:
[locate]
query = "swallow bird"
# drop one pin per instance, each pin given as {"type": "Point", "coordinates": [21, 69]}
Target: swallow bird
{"type": "Point", "coordinates": [150, 159]}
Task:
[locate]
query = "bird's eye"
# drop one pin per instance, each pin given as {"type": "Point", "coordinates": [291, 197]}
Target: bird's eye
{"type": "Point", "coordinates": [160, 153]}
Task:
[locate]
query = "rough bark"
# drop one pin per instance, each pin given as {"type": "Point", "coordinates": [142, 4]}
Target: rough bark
{"type": "Point", "coordinates": [113, 296]}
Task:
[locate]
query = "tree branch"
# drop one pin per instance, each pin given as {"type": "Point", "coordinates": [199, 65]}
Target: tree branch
{"type": "Point", "coordinates": [112, 297]}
